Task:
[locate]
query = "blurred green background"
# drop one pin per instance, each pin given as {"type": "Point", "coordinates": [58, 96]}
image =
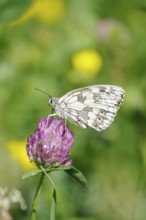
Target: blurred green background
{"type": "Point", "coordinates": [57, 46]}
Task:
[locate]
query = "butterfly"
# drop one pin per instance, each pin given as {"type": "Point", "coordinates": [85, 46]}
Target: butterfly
{"type": "Point", "coordinates": [93, 106]}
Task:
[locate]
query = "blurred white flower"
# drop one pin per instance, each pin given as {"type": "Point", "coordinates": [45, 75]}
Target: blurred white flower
{"type": "Point", "coordinates": [7, 198]}
{"type": "Point", "coordinates": [16, 197]}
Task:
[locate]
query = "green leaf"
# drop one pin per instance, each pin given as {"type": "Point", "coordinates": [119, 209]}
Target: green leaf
{"type": "Point", "coordinates": [53, 206]}
{"type": "Point", "coordinates": [12, 9]}
{"type": "Point", "coordinates": [31, 173]}
{"type": "Point", "coordinates": [78, 176]}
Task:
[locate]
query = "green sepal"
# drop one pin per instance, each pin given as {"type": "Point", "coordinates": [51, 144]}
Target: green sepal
{"type": "Point", "coordinates": [78, 176]}
{"type": "Point", "coordinates": [61, 168]}
{"type": "Point", "coordinates": [31, 173]}
{"type": "Point", "coordinates": [47, 170]}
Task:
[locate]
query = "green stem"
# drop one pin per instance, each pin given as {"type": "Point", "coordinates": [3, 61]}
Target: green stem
{"type": "Point", "coordinates": [53, 202]}
{"type": "Point", "coordinates": [48, 177]}
{"type": "Point", "coordinates": [36, 197]}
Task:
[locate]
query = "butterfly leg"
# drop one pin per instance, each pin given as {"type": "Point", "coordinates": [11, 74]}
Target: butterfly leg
{"type": "Point", "coordinates": [52, 114]}
{"type": "Point", "coordinates": [65, 124]}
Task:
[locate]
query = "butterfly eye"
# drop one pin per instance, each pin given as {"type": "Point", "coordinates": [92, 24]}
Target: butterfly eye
{"type": "Point", "coordinates": [50, 101]}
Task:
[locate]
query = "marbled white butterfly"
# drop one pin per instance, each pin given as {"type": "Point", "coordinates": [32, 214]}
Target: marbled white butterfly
{"type": "Point", "coordinates": [92, 106]}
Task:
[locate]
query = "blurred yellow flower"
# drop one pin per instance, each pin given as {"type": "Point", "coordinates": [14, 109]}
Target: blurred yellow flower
{"type": "Point", "coordinates": [44, 10]}
{"type": "Point", "coordinates": [49, 10]}
{"type": "Point", "coordinates": [88, 62]}
{"type": "Point", "coordinates": [18, 152]}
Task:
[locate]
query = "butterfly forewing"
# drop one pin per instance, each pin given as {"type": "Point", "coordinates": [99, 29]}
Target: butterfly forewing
{"type": "Point", "coordinates": [93, 106]}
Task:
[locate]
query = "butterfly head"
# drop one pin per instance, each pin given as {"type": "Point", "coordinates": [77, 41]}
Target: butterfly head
{"type": "Point", "coordinates": [50, 102]}
{"type": "Point", "coordinates": [53, 101]}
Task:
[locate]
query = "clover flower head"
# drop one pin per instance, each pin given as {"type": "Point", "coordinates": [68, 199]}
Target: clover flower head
{"type": "Point", "coordinates": [51, 144]}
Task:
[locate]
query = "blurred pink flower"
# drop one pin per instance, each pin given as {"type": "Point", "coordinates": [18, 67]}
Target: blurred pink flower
{"type": "Point", "coordinates": [110, 29]}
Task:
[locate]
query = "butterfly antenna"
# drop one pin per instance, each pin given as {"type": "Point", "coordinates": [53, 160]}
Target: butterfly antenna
{"type": "Point", "coordinates": [43, 92]}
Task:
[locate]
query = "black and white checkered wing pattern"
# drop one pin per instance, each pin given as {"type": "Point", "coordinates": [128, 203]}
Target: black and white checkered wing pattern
{"type": "Point", "coordinates": [93, 106]}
